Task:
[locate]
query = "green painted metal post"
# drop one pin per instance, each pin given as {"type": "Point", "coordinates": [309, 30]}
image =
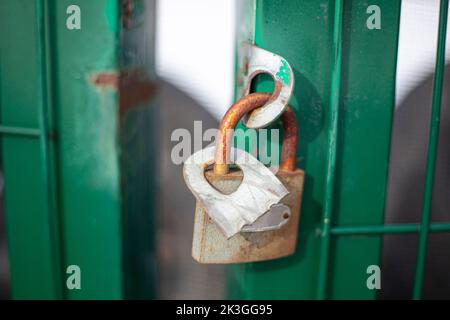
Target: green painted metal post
{"type": "Point", "coordinates": [335, 98]}
{"type": "Point", "coordinates": [46, 125]}
{"type": "Point", "coordinates": [89, 189]}
{"type": "Point", "coordinates": [388, 229]}
{"type": "Point", "coordinates": [32, 222]}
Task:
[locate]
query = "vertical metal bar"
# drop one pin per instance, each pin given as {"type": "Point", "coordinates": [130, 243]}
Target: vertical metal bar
{"type": "Point", "coordinates": [432, 150]}
{"type": "Point", "coordinates": [332, 146]}
{"type": "Point", "coordinates": [46, 145]}
{"type": "Point", "coordinates": [89, 176]}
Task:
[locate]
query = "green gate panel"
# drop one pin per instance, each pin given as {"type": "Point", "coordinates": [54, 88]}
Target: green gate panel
{"type": "Point", "coordinates": [366, 114]}
{"type": "Point", "coordinates": [31, 225]}
{"type": "Point", "coordinates": [72, 197]}
{"type": "Point", "coordinates": [303, 32]}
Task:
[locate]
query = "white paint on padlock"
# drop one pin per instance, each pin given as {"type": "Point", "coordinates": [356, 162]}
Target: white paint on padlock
{"type": "Point", "coordinates": [259, 190]}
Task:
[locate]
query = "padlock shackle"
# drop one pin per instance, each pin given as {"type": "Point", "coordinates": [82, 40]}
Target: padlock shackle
{"type": "Point", "coordinates": [290, 138]}
{"type": "Point", "coordinates": [240, 108]}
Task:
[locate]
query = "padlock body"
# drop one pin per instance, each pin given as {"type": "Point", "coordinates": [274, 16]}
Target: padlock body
{"type": "Point", "coordinates": [210, 245]}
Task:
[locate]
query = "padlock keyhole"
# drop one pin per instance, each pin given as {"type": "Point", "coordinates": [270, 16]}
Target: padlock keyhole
{"type": "Point", "coordinates": [225, 184]}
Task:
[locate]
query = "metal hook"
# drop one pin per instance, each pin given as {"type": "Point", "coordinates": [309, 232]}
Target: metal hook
{"type": "Point", "coordinates": [254, 61]}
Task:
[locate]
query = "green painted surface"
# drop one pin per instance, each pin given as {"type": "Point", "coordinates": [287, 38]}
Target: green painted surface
{"type": "Point", "coordinates": [31, 231]}
{"type": "Point", "coordinates": [284, 72]}
{"type": "Point", "coordinates": [333, 135]}
{"type": "Point", "coordinates": [89, 184]}
{"type": "Point", "coordinates": [367, 104]}
{"type": "Point", "coordinates": [301, 32]}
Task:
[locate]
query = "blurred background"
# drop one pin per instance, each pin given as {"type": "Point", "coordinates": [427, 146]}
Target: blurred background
{"type": "Point", "coordinates": [187, 52]}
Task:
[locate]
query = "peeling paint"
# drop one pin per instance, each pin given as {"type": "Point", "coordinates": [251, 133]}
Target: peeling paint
{"type": "Point", "coordinates": [133, 87]}
{"type": "Point", "coordinates": [106, 80]}
{"type": "Point", "coordinates": [284, 72]}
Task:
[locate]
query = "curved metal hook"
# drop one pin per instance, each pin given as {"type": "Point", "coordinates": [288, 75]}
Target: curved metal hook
{"type": "Point", "coordinates": [262, 61]}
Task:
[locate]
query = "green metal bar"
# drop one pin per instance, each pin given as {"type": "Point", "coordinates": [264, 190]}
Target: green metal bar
{"type": "Point", "coordinates": [387, 229]}
{"type": "Point", "coordinates": [87, 151]}
{"type": "Point", "coordinates": [34, 270]}
{"type": "Point", "coordinates": [20, 131]}
{"type": "Point", "coordinates": [47, 151]}
{"type": "Point", "coordinates": [439, 227]}
{"type": "Point", "coordinates": [362, 161]}
{"type": "Point", "coordinates": [432, 150]}
{"type": "Point", "coordinates": [332, 146]}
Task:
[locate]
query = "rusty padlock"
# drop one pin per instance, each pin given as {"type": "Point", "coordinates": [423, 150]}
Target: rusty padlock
{"type": "Point", "coordinates": [254, 242]}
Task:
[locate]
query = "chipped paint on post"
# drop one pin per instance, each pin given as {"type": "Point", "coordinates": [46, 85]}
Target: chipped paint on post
{"type": "Point", "coordinates": [132, 86]}
{"type": "Point", "coordinates": [105, 80]}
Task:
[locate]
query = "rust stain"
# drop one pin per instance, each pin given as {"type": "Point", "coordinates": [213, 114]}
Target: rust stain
{"type": "Point", "coordinates": [106, 80]}
{"type": "Point", "coordinates": [133, 88]}
{"type": "Point", "coordinates": [290, 139]}
{"type": "Point", "coordinates": [229, 121]}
